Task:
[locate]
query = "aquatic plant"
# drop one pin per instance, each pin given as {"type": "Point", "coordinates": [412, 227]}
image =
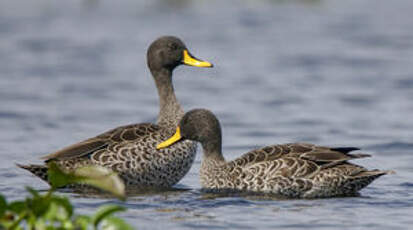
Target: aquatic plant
{"type": "Point", "coordinates": [50, 211]}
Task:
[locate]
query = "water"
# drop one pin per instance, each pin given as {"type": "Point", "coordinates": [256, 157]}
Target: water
{"type": "Point", "coordinates": [327, 72]}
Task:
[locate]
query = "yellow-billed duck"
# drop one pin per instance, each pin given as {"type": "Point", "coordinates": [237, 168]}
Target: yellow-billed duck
{"type": "Point", "coordinates": [131, 150]}
{"type": "Point", "coordinates": [296, 170]}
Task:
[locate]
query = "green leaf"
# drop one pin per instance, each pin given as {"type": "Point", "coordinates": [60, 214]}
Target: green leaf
{"type": "Point", "coordinates": [57, 177]}
{"type": "Point", "coordinates": [96, 176]}
{"type": "Point", "coordinates": [64, 203]}
{"type": "Point", "coordinates": [102, 178]}
{"type": "Point", "coordinates": [39, 205]}
{"type": "Point", "coordinates": [6, 224]}
{"type": "Point", "coordinates": [3, 206]}
{"type": "Point", "coordinates": [68, 224]}
{"type": "Point", "coordinates": [17, 206]}
{"type": "Point", "coordinates": [82, 221]}
{"type": "Point", "coordinates": [52, 212]}
{"type": "Point", "coordinates": [33, 192]}
{"type": "Point", "coordinates": [104, 212]}
{"type": "Point", "coordinates": [115, 223]}
{"type": "Point", "coordinates": [39, 223]}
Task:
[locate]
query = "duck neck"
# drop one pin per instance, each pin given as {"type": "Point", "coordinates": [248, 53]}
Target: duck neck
{"type": "Point", "coordinates": [213, 151]}
{"type": "Point", "coordinates": [170, 110]}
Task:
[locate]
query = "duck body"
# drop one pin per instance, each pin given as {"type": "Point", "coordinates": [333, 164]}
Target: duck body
{"type": "Point", "coordinates": [296, 170]}
{"type": "Point", "coordinates": [131, 150]}
{"type": "Point", "coordinates": [291, 170]}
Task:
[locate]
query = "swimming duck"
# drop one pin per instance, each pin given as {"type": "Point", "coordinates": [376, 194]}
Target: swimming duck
{"type": "Point", "coordinates": [297, 170]}
{"type": "Point", "coordinates": [131, 150]}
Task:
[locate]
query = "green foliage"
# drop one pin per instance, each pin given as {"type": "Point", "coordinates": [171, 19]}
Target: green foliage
{"type": "Point", "coordinates": [95, 176]}
{"type": "Point", "coordinates": [52, 212]}
{"type": "Point", "coordinates": [104, 212]}
{"type": "Point", "coordinates": [3, 205]}
{"type": "Point", "coordinates": [115, 223]}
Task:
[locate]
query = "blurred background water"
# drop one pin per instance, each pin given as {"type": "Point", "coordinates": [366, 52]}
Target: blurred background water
{"type": "Point", "coordinates": [327, 72]}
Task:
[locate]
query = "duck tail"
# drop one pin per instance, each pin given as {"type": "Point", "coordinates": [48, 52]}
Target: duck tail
{"type": "Point", "coordinates": [362, 179]}
{"type": "Point", "coordinates": [37, 170]}
{"type": "Point", "coordinates": [347, 150]}
{"type": "Point", "coordinates": [359, 155]}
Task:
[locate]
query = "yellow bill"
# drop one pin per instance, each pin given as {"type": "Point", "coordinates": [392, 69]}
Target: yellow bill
{"type": "Point", "coordinates": [192, 61]}
{"type": "Point", "coordinates": [176, 137]}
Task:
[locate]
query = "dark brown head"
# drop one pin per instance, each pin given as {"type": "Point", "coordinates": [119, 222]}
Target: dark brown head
{"type": "Point", "coordinates": [199, 125]}
{"type": "Point", "coordinates": [168, 52]}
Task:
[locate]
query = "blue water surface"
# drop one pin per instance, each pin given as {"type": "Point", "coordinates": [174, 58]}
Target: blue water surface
{"type": "Point", "coordinates": [337, 73]}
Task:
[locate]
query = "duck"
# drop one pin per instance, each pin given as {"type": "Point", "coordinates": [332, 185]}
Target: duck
{"type": "Point", "coordinates": [130, 150]}
{"type": "Point", "coordinates": [293, 170]}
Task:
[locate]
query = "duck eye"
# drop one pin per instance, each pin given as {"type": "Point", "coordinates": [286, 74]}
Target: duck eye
{"type": "Point", "coordinates": [172, 46]}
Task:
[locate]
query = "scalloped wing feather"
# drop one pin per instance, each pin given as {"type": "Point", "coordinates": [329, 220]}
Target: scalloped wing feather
{"type": "Point", "coordinates": [318, 154]}
{"type": "Point", "coordinates": [120, 135]}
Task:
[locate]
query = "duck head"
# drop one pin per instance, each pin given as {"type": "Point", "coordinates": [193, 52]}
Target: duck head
{"type": "Point", "coordinates": [168, 52]}
{"type": "Point", "coordinates": [199, 125]}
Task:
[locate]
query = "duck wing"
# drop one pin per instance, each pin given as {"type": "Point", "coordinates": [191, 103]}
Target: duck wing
{"type": "Point", "coordinates": [319, 154]}
{"type": "Point", "coordinates": [120, 135]}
